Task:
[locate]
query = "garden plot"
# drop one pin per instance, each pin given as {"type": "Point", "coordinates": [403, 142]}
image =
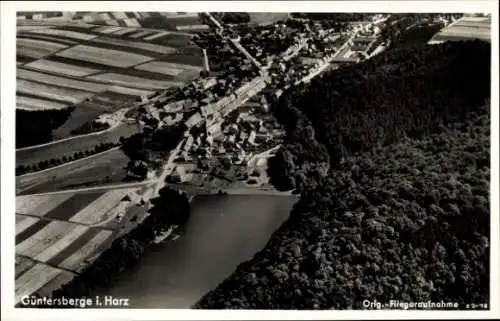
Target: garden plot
{"type": "Point", "coordinates": [30, 103]}
{"type": "Point", "coordinates": [109, 57]}
{"type": "Point", "coordinates": [37, 48]}
{"type": "Point", "coordinates": [64, 33]}
{"type": "Point", "coordinates": [139, 45]}
{"type": "Point", "coordinates": [161, 67]}
{"type": "Point", "coordinates": [60, 81]}
{"type": "Point", "coordinates": [69, 95]}
{"type": "Point", "coordinates": [79, 254]}
{"type": "Point", "coordinates": [61, 68]}
{"type": "Point", "coordinates": [39, 204]}
{"type": "Point", "coordinates": [136, 82]}
{"type": "Point", "coordinates": [100, 209]}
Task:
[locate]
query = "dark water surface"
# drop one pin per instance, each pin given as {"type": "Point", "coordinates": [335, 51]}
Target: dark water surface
{"type": "Point", "coordinates": [223, 232]}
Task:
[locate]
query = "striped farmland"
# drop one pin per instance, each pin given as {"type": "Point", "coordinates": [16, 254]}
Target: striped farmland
{"type": "Point", "coordinates": [31, 103]}
{"type": "Point", "coordinates": [68, 95]}
{"type": "Point", "coordinates": [61, 68]}
{"type": "Point", "coordinates": [37, 48]}
{"type": "Point", "coordinates": [136, 82]}
{"type": "Point", "coordinates": [109, 57]}
{"type": "Point", "coordinates": [135, 44]}
{"type": "Point", "coordinates": [60, 81]}
{"type": "Point", "coordinates": [57, 236]}
{"type": "Point", "coordinates": [64, 33]}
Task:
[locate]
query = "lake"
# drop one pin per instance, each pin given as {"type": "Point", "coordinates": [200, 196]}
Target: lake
{"type": "Point", "coordinates": [223, 232]}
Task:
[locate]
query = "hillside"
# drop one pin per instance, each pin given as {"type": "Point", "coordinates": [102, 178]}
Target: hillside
{"type": "Point", "coordinates": [403, 212]}
{"type": "Point", "coordinates": [410, 91]}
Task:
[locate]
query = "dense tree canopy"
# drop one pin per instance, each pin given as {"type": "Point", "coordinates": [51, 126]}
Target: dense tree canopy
{"type": "Point", "coordinates": [410, 91]}
{"type": "Point", "coordinates": [403, 212]}
{"type": "Point", "coordinates": [408, 222]}
{"type": "Point", "coordinates": [36, 127]}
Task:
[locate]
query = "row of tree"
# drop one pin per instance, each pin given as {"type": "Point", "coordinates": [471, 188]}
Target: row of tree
{"type": "Point", "coordinates": [171, 207]}
{"type": "Point", "coordinates": [24, 169]}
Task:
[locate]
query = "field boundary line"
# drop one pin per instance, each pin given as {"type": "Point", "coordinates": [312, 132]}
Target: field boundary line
{"type": "Point", "coordinates": [68, 163]}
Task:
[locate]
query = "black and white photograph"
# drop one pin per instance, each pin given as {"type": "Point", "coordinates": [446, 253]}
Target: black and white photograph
{"type": "Point", "coordinates": [241, 159]}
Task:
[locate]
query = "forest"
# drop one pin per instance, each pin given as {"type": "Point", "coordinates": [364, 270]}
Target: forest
{"type": "Point", "coordinates": [169, 208]}
{"type": "Point", "coordinates": [403, 211]}
{"type": "Point", "coordinates": [408, 91]}
{"type": "Point", "coordinates": [35, 127]}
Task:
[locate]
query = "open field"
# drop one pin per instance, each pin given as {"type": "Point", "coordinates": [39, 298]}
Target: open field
{"type": "Point", "coordinates": [465, 28]}
{"type": "Point", "coordinates": [34, 279]}
{"type": "Point", "coordinates": [61, 68]}
{"type": "Point", "coordinates": [54, 39]}
{"type": "Point", "coordinates": [60, 81]}
{"type": "Point", "coordinates": [167, 68]}
{"type": "Point", "coordinates": [32, 48]}
{"type": "Point", "coordinates": [47, 253]}
{"type": "Point", "coordinates": [124, 31]}
{"type": "Point", "coordinates": [64, 33]}
{"type": "Point", "coordinates": [104, 168]}
{"type": "Point", "coordinates": [31, 103]}
{"type": "Point", "coordinates": [101, 209]}
{"type": "Point", "coordinates": [68, 147]}
{"type": "Point", "coordinates": [141, 33]}
{"type": "Point", "coordinates": [59, 234]}
{"type": "Point", "coordinates": [135, 44]}
{"type": "Point", "coordinates": [69, 95]}
{"type": "Point", "coordinates": [173, 39]}
{"type": "Point", "coordinates": [107, 30]}
{"type": "Point", "coordinates": [129, 91]}
{"type": "Point", "coordinates": [132, 81]}
{"type": "Point", "coordinates": [39, 204]}
{"type": "Point", "coordinates": [102, 56]}
{"type": "Point", "coordinates": [75, 261]}
{"type": "Point", "coordinates": [83, 113]}
{"type": "Point", "coordinates": [156, 35]}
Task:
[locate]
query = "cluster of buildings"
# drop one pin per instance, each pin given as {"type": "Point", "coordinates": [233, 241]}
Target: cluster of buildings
{"type": "Point", "coordinates": [264, 58]}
